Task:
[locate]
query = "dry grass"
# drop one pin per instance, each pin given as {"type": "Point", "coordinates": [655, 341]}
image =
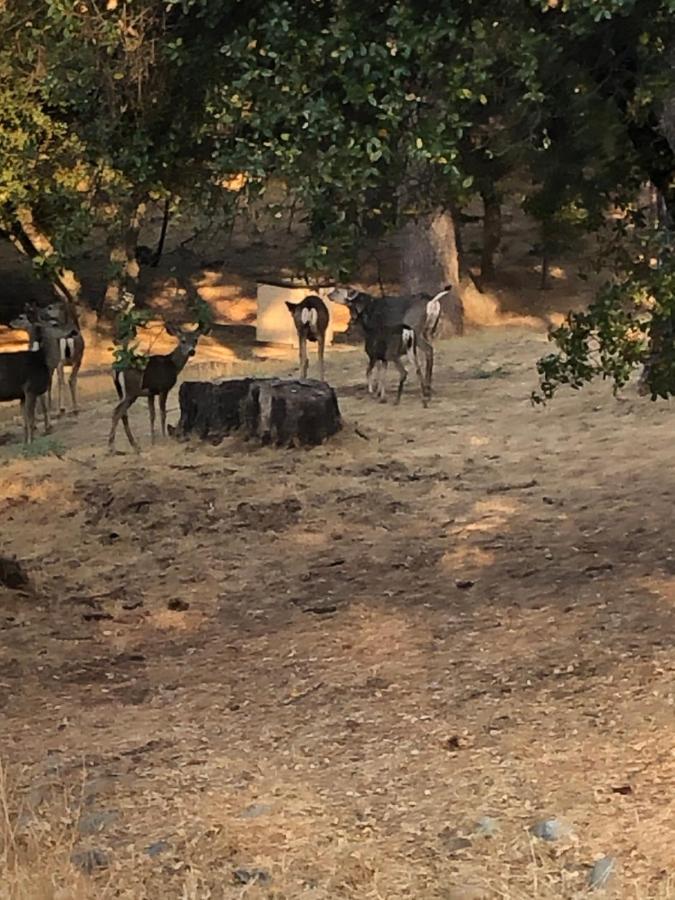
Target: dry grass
{"type": "Point", "coordinates": [348, 753]}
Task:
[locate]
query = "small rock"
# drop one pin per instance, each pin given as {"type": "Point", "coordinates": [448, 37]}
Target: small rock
{"type": "Point", "coordinates": [602, 872]}
{"type": "Point", "coordinates": [244, 875]}
{"type": "Point", "coordinates": [551, 830]}
{"type": "Point", "coordinates": [88, 861]}
{"type": "Point", "coordinates": [13, 574]}
{"type": "Point", "coordinates": [623, 789]}
{"type": "Point", "coordinates": [454, 844]}
{"type": "Point", "coordinates": [158, 847]}
{"type": "Point", "coordinates": [464, 584]}
{"type": "Point", "coordinates": [175, 604]}
{"type": "Point", "coordinates": [487, 826]}
{"type": "Point", "coordinates": [255, 810]}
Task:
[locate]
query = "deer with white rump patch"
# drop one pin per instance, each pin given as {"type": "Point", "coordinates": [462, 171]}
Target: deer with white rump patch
{"type": "Point", "coordinates": [311, 319]}
{"type": "Point", "coordinates": [394, 327]}
{"type": "Point", "coordinates": [156, 380]}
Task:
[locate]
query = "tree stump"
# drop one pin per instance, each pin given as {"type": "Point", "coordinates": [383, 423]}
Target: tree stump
{"type": "Point", "coordinates": [271, 410]}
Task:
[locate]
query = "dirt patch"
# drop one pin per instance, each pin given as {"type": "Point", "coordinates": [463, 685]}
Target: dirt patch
{"type": "Point", "coordinates": [374, 644]}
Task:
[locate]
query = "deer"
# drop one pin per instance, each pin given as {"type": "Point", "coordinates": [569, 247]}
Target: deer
{"type": "Point", "coordinates": [311, 319]}
{"type": "Point", "coordinates": [25, 375]}
{"type": "Point", "coordinates": [421, 313]}
{"type": "Point", "coordinates": [390, 343]}
{"type": "Point", "coordinates": [64, 348]}
{"type": "Point", "coordinates": [157, 379]}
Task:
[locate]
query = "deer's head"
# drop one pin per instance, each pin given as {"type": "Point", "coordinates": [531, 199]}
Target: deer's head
{"type": "Point", "coordinates": [187, 340]}
{"type": "Point", "coordinates": [357, 302]}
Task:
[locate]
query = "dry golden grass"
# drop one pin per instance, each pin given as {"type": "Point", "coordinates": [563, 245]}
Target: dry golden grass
{"type": "Point", "coordinates": [347, 753]}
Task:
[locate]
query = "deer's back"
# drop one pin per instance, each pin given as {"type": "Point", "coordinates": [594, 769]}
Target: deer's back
{"type": "Point", "coordinates": [24, 371]}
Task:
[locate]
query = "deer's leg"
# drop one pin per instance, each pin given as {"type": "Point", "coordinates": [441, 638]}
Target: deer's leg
{"type": "Point", "coordinates": [61, 388]}
{"type": "Point", "coordinates": [428, 350]}
{"type": "Point", "coordinates": [382, 391]}
{"type": "Point", "coordinates": [120, 412]}
{"type": "Point", "coordinates": [304, 360]}
{"type": "Point", "coordinates": [413, 356]}
{"type": "Point", "coordinates": [25, 420]}
{"type": "Point", "coordinates": [49, 390]}
{"type": "Point", "coordinates": [403, 373]}
{"type": "Point", "coordinates": [151, 408]}
{"type": "Point", "coordinates": [127, 429]}
{"type": "Point", "coordinates": [72, 384]}
{"type": "Point", "coordinates": [29, 418]}
{"type": "Point", "coordinates": [45, 413]}
{"type": "Point", "coordinates": [162, 412]}
{"type": "Point", "coordinates": [370, 378]}
{"type": "Point", "coordinates": [321, 341]}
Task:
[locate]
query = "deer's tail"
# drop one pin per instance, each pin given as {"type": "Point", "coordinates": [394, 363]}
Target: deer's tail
{"type": "Point", "coordinates": [454, 309]}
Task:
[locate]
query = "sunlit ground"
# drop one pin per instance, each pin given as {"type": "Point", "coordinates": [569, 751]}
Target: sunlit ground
{"type": "Point", "coordinates": [328, 666]}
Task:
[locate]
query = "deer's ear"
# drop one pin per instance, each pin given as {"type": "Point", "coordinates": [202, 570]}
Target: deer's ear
{"type": "Point", "coordinates": [172, 329]}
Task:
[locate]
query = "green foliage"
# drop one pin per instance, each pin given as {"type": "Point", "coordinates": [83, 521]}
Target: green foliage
{"type": "Point", "coordinates": [202, 313]}
{"type": "Point", "coordinates": [630, 322]}
{"type": "Point", "coordinates": [42, 445]}
{"type": "Point", "coordinates": [369, 115]}
{"type": "Point", "coordinates": [128, 321]}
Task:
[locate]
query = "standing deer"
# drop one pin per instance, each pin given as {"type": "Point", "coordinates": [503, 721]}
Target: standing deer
{"type": "Point", "coordinates": [155, 380]}
{"type": "Point", "coordinates": [25, 375]}
{"type": "Point", "coordinates": [64, 348]}
{"type": "Point", "coordinates": [377, 317]}
{"type": "Point", "coordinates": [311, 319]}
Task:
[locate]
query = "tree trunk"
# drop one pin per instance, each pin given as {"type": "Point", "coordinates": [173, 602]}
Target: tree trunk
{"type": "Point", "coordinates": [430, 262]}
{"type": "Point", "coordinates": [28, 239]}
{"type": "Point", "coordinates": [162, 234]}
{"type": "Point", "coordinates": [492, 234]}
{"type": "Point", "coordinates": [122, 243]}
{"type": "Point", "coordinates": [545, 263]}
{"type": "Point", "coordinates": [430, 259]}
{"type": "Point", "coordinates": [272, 411]}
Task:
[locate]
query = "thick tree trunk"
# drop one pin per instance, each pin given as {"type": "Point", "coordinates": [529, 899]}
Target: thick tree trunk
{"type": "Point", "coordinates": [492, 235]}
{"type": "Point", "coordinates": [28, 239]}
{"type": "Point", "coordinates": [122, 244]}
{"type": "Point", "coordinates": [272, 411]}
{"type": "Point", "coordinates": [430, 261]}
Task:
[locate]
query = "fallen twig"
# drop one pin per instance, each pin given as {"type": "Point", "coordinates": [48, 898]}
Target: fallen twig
{"type": "Point", "coordinates": [301, 696]}
{"type": "Point", "coordinates": [516, 486]}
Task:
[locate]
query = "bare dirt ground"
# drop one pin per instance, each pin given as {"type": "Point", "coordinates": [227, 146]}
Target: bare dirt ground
{"type": "Point", "coordinates": [326, 667]}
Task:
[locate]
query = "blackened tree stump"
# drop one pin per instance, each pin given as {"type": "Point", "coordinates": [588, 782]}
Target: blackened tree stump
{"type": "Point", "coordinates": [273, 411]}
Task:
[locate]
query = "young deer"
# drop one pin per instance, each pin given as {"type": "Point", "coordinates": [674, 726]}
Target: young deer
{"type": "Point", "coordinates": [379, 319]}
{"type": "Point", "coordinates": [155, 380]}
{"type": "Point", "coordinates": [64, 348]}
{"type": "Point", "coordinates": [25, 375]}
{"type": "Point", "coordinates": [391, 344]}
{"type": "Point", "coordinates": [311, 321]}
